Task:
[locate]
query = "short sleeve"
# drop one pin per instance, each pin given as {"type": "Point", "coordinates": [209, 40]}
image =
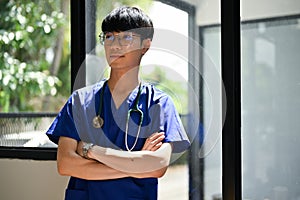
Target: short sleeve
{"type": "Point", "coordinates": [63, 124]}
{"type": "Point", "coordinates": [173, 128]}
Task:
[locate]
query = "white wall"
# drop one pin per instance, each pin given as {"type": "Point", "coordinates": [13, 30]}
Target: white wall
{"type": "Point", "coordinates": [30, 180]}
{"type": "Point", "coordinates": [208, 11]}
{"type": "Point", "coordinates": [255, 9]}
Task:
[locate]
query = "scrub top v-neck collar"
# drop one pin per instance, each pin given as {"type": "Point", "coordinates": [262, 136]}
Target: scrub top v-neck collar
{"type": "Point", "coordinates": [126, 102]}
{"type": "Point", "coordinates": [115, 119]}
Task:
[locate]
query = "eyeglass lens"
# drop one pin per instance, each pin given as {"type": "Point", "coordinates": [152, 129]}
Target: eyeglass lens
{"type": "Point", "coordinates": [124, 38]}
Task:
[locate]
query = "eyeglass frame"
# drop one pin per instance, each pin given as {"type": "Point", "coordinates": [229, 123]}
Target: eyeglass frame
{"type": "Point", "coordinates": [102, 38]}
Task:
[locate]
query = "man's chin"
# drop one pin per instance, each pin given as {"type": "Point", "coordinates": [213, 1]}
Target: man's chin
{"type": "Point", "coordinates": [115, 63]}
{"type": "Point", "coordinates": [116, 59]}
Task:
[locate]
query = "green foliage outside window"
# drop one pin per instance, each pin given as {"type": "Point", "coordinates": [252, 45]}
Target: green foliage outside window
{"type": "Point", "coordinates": [28, 31]}
{"type": "Point", "coordinates": [35, 52]}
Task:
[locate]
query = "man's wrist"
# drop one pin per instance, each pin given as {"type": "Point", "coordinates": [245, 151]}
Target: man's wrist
{"type": "Point", "coordinates": [85, 149]}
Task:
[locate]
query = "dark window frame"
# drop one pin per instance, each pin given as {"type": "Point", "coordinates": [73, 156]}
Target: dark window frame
{"type": "Point", "coordinates": [231, 76]}
{"type": "Point", "coordinates": [35, 153]}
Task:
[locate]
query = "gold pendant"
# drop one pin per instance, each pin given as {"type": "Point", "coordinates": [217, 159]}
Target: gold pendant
{"type": "Point", "coordinates": [97, 122]}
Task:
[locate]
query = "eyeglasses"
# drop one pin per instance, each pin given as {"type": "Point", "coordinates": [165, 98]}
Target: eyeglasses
{"type": "Point", "coordinates": [124, 38]}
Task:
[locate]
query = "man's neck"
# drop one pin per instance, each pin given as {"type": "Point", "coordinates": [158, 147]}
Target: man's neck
{"type": "Point", "coordinates": [123, 81]}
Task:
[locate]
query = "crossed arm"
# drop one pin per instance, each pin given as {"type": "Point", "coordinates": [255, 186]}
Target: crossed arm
{"type": "Point", "coordinates": [151, 161]}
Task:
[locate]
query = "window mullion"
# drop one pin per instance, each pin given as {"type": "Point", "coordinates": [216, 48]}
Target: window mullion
{"type": "Point", "coordinates": [231, 134]}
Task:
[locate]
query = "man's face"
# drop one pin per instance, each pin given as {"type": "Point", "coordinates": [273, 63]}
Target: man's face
{"type": "Point", "coordinates": [123, 49]}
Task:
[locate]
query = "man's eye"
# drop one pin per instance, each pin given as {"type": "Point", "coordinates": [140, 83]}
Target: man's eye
{"type": "Point", "coordinates": [127, 37]}
{"type": "Point", "coordinates": [109, 37]}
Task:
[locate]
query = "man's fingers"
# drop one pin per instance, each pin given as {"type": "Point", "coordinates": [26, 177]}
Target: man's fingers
{"type": "Point", "coordinates": [154, 141]}
{"type": "Point", "coordinates": [156, 135]}
{"type": "Point", "coordinates": [157, 140]}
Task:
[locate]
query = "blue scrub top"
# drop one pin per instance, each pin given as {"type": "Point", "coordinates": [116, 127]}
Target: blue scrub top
{"type": "Point", "coordinates": [75, 121]}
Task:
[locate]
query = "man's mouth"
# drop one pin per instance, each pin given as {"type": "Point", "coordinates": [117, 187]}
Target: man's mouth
{"type": "Point", "coordinates": [115, 56]}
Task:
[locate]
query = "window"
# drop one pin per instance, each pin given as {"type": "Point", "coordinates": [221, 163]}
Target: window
{"type": "Point", "coordinates": [270, 108]}
{"type": "Point", "coordinates": [269, 92]}
{"type": "Point", "coordinates": [35, 68]}
{"type": "Point", "coordinates": [209, 179]}
{"type": "Point", "coordinates": [211, 91]}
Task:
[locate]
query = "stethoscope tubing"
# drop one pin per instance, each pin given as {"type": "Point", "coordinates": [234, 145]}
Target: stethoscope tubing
{"type": "Point", "coordinates": [98, 121]}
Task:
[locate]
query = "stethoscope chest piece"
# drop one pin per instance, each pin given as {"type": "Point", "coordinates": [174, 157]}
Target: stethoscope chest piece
{"type": "Point", "coordinates": [97, 122]}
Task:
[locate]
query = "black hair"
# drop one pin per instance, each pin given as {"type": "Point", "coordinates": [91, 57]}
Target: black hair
{"type": "Point", "coordinates": [127, 18]}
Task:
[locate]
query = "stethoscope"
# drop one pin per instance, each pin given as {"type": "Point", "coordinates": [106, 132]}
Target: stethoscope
{"type": "Point", "coordinates": [98, 121]}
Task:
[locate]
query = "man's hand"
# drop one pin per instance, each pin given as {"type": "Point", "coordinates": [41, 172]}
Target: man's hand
{"type": "Point", "coordinates": [154, 142]}
{"type": "Point", "coordinates": [79, 148]}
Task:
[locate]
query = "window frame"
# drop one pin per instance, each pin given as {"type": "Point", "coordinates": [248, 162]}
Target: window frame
{"type": "Point", "coordinates": [34, 153]}
{"type": "Point", "coordinates": [231, 76]}
{"type": "Point", "coordinates": [77, 57]}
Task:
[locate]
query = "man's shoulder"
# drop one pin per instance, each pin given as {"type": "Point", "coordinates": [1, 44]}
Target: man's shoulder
{"type": "Point", "coordinates": [90, 88]}
{"type": "Point", "coordinates": [87, 92]}
{"type": "Point", "coordinates": [155, 91]}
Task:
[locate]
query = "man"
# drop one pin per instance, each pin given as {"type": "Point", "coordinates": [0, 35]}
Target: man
{"type": "Point", "coordinates": [115, 138]}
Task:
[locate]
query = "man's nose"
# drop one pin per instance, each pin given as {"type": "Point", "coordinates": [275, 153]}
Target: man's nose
{"type": "Point", "coordinates": [116, 42]}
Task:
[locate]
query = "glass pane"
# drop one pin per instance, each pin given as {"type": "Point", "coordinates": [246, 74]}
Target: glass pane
{"type": "Point", "coordinates": [26, 130]}
{"type": "Point", "coordinates": [34, 58]}
{"type": "Point", "coordinates": [270, 102]}
{"type": "Point", "coordinates": [34, 69]}
{"type": "Point", "coordinates": [171, 66]}
{"type": "Point", "coordinates": [208, 19]}
{"type": "Point", "coordinates": [212, 126]}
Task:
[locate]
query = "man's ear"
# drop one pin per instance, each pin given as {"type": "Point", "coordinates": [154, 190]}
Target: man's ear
{"type": "Point", "coordinates": [146, 45]}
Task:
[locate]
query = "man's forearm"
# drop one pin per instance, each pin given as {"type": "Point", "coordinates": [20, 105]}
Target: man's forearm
{"type": "Point", "coordinates": [70, 163]}
{"type": "Point", "coordinates": [135, 161]}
